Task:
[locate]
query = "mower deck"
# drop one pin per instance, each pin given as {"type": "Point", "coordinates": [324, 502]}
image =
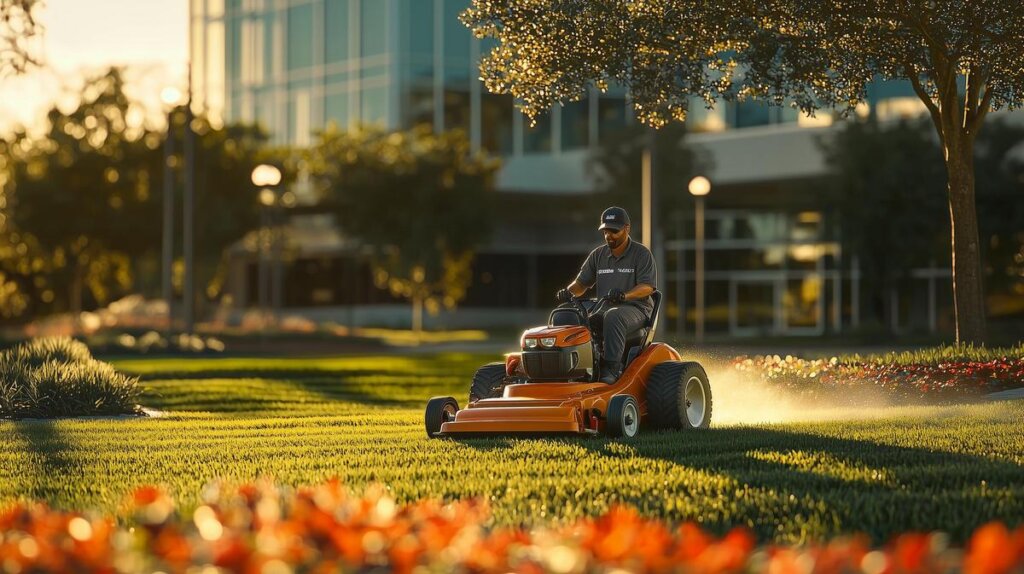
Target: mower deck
{"type": "Point", "coordinates": [553, 407]}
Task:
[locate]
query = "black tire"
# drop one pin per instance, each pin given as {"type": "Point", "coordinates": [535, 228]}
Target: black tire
{"type": "Point", "coordinates": [489, 382]}
{"type": "Point", "coordinates": [667, 404]}
{"type": "Point", "coordinates": [439, 411]}
{"type": "Point", "coordinates": [623, 420]}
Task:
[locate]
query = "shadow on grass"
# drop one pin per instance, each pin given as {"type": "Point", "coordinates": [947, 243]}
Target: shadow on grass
{"type": "Point", "coordinates": [50, 454]}
{"type": "Point", "coordinates": [802, 484]}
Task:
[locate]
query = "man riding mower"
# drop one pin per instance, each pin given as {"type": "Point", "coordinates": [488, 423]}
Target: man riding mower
{"type": "Point", "coordinates": [594, 368]}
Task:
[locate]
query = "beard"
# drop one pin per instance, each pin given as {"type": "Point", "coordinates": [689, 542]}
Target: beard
{"type": "Point", "coordinates": [616, 243]}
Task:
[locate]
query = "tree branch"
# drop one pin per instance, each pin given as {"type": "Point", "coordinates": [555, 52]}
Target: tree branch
{"type": "Point", "coordinates": [983, 108]}
{"type": "Point", "coordinates": [933, 110]}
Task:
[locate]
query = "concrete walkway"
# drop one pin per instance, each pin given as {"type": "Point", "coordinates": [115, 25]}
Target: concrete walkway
{"type": "Point", "coordinates": [1006, 395]}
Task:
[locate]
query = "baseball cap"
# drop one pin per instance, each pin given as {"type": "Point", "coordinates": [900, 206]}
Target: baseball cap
{"type": "Point", "coordinates": [614, 218]}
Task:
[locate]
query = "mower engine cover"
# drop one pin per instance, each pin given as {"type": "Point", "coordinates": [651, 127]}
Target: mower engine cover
{"type": "Point", "coordinates": [558, 353]}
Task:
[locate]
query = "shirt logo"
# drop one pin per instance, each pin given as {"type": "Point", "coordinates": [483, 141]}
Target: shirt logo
{"type": "Point", "coordinates": [625, 270]}
{"type": "Point", "coordinates": [600, 271]}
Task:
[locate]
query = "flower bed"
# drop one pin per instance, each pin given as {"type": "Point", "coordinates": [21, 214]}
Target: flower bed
{"type": "Point", "coordinates": [328, 529]}
{"type": "Point", "coordinates": [926, 376]}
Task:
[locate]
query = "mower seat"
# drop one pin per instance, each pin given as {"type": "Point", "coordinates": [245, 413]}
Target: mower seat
{"type": "Point", "coordinates": [638, 341]}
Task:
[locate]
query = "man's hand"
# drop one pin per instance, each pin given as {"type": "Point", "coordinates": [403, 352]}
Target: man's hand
{"type": "Point", "coordinates": [563, 295]}
{"type": "Point", "coordinates": [616, 295]}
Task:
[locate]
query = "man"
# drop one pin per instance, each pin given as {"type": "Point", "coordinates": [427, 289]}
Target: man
{"type": "Point", "coordinates": [625, 272]}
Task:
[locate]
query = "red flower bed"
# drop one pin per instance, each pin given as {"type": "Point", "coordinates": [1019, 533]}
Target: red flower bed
{"type": "Point", "coordinates": [259, 529]}
{"type": "Point", "coordinates": [925, 382]}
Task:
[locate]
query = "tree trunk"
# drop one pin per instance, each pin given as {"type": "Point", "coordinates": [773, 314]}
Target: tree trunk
{"type": "Point", "coordinates": [417, 317]}
{"type": "Point", "coordinates": [968, 292]}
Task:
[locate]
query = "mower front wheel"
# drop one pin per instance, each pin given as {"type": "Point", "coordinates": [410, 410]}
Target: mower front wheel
{"type": "Point", "coordinates": [439, 411]}
{"type": "Point", "coordinates": [623, 417]}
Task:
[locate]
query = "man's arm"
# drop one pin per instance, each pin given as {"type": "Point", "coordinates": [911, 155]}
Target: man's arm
{"type": "Point", "coordinates": [577, 289]}
{"type": "Point", "coordinates": [639, 292]}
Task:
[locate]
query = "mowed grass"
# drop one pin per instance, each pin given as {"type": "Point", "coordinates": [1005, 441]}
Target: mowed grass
{"type": "Point", "coordinates": [302, 421]}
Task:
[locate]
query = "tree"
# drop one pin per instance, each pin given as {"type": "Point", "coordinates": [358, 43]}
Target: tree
{"type": "Point", "coordinates": [884, 177]}
{"type": "Point", "coordinates": [81, 205]}
{"type": "Point", "coordinates": [18, 26]}
{"type": "Point", "coordinates": [421, 200]}
{"type": "Point", "coordinates": [962, 58]}
{"type": "Point", "coordinates": [76, 196]}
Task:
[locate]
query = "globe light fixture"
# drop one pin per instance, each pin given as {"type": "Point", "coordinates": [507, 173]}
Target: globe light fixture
{"type": "Point", "coordinates": [265, 175]}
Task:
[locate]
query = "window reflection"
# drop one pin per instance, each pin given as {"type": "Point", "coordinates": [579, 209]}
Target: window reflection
{"type": "Point", "coordinates": [456, 110]}
{"type": "Point", "coordinates": [537, 138]}
{"type": "Point", "coordinates": [496, 123]}
{"type": "Point", "coordinates": [300, 36]}
{"type": "Point", "coordinates": [335, 30]}
{"type": "Point", "coordinates": [373, 27]}
{"type": "Point", "coordinates": [576, 124]}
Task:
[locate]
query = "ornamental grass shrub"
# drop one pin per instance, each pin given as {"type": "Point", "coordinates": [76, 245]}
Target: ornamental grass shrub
{"type": "Point", "coordinates": [58, 377]}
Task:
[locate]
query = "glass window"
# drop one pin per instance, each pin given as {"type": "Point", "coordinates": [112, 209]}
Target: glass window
{"type": "Point", "coordinates": [335, 30]}
{"type": "Point", "coordinates": [457, 38]}
{"type": "Point", "coordinates": [234, 6]}
{"type": "Point", "coordinates": [300, 36]}
{"type": "Point", "coordinates": [752, 113]}
{"type": "Point", "coordinates": [214, 8]}
{"type": "Point", "coordinates": [373, 27]}
{"type": "Point", "coordinates": [800, 301]}
{"type": "Point", "coordinates": [537, 139]}
{"type": "Point", "coordinates": [375, 105]}
{"type": "Point", "coordinates": [268, 47]}
{"type": "Point", "coordinates": [496, 115]}
{"type": "Point", "coordinates": [234, 55]}
{"type": "Point", "coordinates": [576, 124]}
{"type": "Point", "coordinates": [421, 28]}
{"type": "Point", "coordinates": [456, 110]}
{"type": "Point", "coordinates": [420, 106]}
{"type": "Point", "coordinates": [611, 116]}
{"type": "Point", "coordinates": [336, 109]}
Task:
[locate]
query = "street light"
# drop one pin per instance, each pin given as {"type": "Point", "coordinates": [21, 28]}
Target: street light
{"type": "Point", "coordinates": [265, 177]}
{"type": "Point", "coordinates": [699, 187]}
{"type": "Point", "coordinates": [171, 98]}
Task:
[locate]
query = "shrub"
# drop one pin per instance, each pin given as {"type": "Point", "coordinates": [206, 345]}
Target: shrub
{"type": "Point", "coordinates": [58, 377]}
{"type": "Point", "coordinates": [947, 373]}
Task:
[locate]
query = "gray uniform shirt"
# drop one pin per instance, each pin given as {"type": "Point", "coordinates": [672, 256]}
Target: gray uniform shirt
{"type": "Point", "coordinates": [635, 266]}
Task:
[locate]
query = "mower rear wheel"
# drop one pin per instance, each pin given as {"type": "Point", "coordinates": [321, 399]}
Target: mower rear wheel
{"type": "Point", "coordinates": [623, 417]}
{"type": "Point", "coordinates": [489, 382]}
{"type": "Point", "coordinates": [439, 411]}
{"type": "Point", "coordinates": [679, 396]}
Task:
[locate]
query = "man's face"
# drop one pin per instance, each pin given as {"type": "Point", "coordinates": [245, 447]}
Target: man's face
{"type": "Point", "coordinates": [615, 239]}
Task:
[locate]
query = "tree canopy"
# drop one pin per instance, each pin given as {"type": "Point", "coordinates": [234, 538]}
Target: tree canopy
{"type": "Point", "coordinates": [421, 200]}
{"type": "Point", "coordinates": [962, 58]}
{"type": "Point", "coordinates": [18, 27]}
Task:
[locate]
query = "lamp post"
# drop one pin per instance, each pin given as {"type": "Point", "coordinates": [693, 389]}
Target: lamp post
{"type": "Point", "coordinates": [171, 97]}
{"type": "Point", "coordinates": [699, 187]}
{"type": "Point", "coordinates": [265, 177]}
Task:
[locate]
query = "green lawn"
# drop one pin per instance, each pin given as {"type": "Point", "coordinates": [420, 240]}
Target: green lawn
{"type": "Point", "coordinates": [301, 421]}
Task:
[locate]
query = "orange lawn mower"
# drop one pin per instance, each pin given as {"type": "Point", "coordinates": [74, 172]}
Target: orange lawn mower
{"type": "Point", "coordinates": [553, 386]}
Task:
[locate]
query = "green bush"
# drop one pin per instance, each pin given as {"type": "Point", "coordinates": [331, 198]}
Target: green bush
{"type": "Point", "coordinates": [58, 377]}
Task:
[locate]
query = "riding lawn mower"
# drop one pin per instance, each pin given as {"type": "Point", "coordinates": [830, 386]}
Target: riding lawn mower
{"type": "Point", "coordinates": [553, 385]}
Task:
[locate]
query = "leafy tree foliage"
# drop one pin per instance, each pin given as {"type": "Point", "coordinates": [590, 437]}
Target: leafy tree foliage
{"type": "Point", "coordinates": [18, 27]}
{"type": "Point", "coordinates": [77, 196]}
{"type": "Point", "coordinates": [421, 200]}
{"type": "Point", "coordinates": [81, 206]}
{"type": "Point", "coordinates": [962, 58]}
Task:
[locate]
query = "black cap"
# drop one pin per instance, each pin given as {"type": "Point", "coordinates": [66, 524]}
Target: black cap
{"type": "Point", "coordinates": [614, 218]}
